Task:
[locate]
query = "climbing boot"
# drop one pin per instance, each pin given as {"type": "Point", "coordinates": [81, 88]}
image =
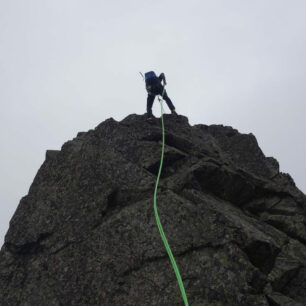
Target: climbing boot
{"type": "Point", "coordinates": [174, 113]}
{"type": "Point", "coordinates": [150, 118]}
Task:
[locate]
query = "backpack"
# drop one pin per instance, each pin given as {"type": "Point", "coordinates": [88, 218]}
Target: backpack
{"type": "Point", "coordinates": [152, 81]}
{"type": "Point", "coordinates": [149, 75]}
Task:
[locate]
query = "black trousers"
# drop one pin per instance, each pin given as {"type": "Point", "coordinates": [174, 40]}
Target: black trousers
{"type": "Point", "coordinates": [150, 101]}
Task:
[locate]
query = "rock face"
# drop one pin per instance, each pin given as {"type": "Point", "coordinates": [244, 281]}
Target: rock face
{"type": "Point", "coordinates": [86, 232]}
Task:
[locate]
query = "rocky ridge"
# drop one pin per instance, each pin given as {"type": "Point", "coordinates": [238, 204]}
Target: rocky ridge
{"type": "Point", "coordinates": [86, 233]}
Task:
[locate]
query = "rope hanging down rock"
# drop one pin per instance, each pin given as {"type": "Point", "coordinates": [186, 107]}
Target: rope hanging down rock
{"type": "Point", "coordinates": [161, 231]}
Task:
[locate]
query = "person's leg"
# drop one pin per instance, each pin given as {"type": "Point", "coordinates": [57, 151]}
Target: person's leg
{"type": "Point", "coordinates": [150, 101]}
{"type": "Point", "coordinates": [168, 101]}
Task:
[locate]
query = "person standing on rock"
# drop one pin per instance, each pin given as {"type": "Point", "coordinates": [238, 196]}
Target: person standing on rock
{"type": "Point", "coordinates": [154, 87]}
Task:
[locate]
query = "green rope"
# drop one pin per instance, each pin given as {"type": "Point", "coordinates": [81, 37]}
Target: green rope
{"type": "Point", "coordinates": [163, 236]}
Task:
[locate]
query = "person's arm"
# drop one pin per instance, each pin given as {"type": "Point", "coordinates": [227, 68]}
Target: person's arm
{"type": "Point", "coordinates": [162, 78]}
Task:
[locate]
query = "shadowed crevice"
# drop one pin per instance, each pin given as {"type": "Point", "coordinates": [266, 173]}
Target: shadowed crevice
{"type": "Point", "coordinates": [30, 247]}
{"type": "Point", "coordinates": [172, 162]}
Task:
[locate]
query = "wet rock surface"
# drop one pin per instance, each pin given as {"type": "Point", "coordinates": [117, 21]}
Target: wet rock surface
{"type": "Point", "coordinates": [86, 233]}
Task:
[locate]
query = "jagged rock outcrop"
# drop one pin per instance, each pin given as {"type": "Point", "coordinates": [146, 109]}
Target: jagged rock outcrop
{"type": "Point", "coordinates": [86, 233]}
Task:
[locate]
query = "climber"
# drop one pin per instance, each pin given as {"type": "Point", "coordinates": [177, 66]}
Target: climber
{"type": "Point", "coordinates": [154, 87]}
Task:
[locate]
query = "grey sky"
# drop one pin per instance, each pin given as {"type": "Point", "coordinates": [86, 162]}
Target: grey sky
{"type": "Point", "coordinates": [66, 66]}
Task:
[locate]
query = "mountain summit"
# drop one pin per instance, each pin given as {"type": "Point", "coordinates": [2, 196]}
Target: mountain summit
{"type": "Point", "coordinates": [86, 233]}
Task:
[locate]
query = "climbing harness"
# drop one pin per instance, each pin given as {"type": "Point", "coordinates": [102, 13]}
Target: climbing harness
{"type": "Point", "coordinates": [161, 231]}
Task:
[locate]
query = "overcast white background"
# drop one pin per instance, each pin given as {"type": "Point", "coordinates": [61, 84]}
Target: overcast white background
{"type": "Point", "coordinates": [66, 66]}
